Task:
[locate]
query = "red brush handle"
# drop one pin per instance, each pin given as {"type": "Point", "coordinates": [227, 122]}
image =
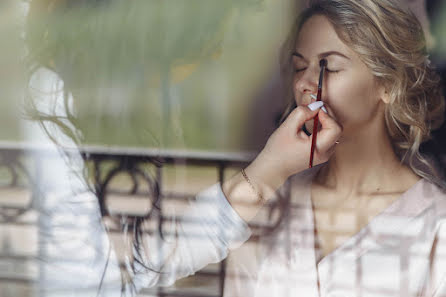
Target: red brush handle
{"type": "Point", "coordinates": [323, 64]}
{"type": "Point", "coordinates": [315, 124]}
{"type": "Point", "coordinates": [313, 140]}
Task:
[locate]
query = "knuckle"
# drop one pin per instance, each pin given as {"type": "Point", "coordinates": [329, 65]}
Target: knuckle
{"type": "Point", "coordinates": [338, 129]}
{"type": "Point", "coordinates": [301, 111]}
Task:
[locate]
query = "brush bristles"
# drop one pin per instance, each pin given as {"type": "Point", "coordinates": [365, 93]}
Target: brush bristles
{"type": "Point", "coordinates": [323, 63]}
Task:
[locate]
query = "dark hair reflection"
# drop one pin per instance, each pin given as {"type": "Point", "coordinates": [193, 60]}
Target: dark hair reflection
{"type": "Point", "coordinates": [100, 57]}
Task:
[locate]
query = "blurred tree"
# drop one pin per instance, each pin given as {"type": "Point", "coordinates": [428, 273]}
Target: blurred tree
{"type": "Point", "coordinates": [111, 52]}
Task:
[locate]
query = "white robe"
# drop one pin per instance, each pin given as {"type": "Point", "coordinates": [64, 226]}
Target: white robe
{"type": "Point", "coordinates": [401, 252]}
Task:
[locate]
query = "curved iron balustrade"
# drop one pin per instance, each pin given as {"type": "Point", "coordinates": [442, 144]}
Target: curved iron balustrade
{"type": "Point", "coordinates": [106, 164]}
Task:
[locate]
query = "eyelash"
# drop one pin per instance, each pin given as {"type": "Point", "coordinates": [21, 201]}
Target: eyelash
{"type": "Point", "coordinates": [328, 70]}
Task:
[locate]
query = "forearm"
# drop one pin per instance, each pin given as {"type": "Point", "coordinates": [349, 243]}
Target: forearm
{"type": "Point", "coordinates": [204, 233]}
{"type": "Point", "coordinates": [264, 179]}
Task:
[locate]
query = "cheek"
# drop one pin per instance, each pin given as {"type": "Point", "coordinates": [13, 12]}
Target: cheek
{"type": "Point", "coordinates": [296, 94]}
{"type": "Point", "coordinates": [351, 100]}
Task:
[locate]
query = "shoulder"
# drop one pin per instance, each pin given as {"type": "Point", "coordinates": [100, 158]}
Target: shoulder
{"type": "Point", "coordinates": [50, 110]}
{"type": "Point", "coordinates": [438, 260]}
{"type": "Point", "coordinates": [44, 81]}
{"type": "Point", "coordinates": [47, 93]}
{"type": "Point", "coordinates": [436, 193]}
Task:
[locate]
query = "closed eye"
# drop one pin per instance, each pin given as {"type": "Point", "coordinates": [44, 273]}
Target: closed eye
{"type": "Point", "coordinates": [328, 70]}
{"type": "Point", "coordinates": [332, 71]}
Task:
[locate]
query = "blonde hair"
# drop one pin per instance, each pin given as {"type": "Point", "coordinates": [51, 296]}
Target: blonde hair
{"type": "Point", "coordinates": [389, 39]}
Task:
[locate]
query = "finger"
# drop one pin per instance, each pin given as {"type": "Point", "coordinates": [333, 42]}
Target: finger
{"type": "Point", "coordinates": [330, 110]}
{"type": "Point", "coordinates": [331, 131]}
{"type": "Point", "coordinates": [326, 119]}
{"type": "Point", "coordinates": [302, 114]}
{"type": "Point", "coordinates": [302, 135]}
{"type": "Point", "coordinates": [330, 151]}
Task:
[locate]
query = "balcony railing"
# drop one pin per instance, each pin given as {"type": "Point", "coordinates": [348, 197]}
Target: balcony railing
{"type": "Point", "coordinates": [118, 176]}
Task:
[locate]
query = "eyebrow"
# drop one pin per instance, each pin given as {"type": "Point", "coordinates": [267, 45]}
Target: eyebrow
{"type": "Point", "coordinates": [322, 55]}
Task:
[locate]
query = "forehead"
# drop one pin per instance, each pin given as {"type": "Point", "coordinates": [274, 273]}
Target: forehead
{"type": "Point", "coordinates": [318, 35]}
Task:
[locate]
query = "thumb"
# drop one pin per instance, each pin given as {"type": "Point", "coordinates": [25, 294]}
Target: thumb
{"type": "Point", "coordinates": [302, 114]}
{"type": "Point", "coordinates": [330, 132]}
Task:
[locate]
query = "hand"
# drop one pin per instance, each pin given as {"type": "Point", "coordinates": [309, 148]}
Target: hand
{"type": "Point", "coordinates": [287, 151]}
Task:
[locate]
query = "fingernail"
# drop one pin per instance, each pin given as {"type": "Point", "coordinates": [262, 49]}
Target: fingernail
{"type": "Point", "coordinates": [315, 105]}
{"type": "Point", "coordinates": [313, 96]}
{"type": "Point", "coordinates": [324, 109]}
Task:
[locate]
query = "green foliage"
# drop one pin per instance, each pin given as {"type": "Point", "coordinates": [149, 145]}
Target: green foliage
{"type": "Point", "coordinates": [140, 71]}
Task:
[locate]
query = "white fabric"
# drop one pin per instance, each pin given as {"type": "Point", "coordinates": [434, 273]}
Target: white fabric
{"type": "Point", "coordinates": [401, 252]}
{"type": "Point", "coordinates": [220, 229]}
{"type": "Point", "coordinates": [76, 256]}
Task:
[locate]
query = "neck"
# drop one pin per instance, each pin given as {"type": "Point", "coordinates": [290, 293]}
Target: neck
{"type": "Point", "coordinates": [365, 163]}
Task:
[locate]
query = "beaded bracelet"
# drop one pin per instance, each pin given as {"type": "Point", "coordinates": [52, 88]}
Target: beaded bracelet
{"type": "Point", "coordinates": [260, 198]}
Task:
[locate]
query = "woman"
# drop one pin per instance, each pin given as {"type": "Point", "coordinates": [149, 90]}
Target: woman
{"type": "Point", "coordinates": [368, 219]}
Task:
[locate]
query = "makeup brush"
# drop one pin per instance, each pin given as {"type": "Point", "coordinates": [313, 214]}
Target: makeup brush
{"type": "Point", "coordinates": [323, 65]}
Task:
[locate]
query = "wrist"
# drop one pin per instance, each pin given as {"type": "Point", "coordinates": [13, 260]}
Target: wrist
{"type": "Point", "coordinates": [266, 174]}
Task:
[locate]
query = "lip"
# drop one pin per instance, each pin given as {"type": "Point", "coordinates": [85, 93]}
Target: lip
{"type": "Point", "coordinates": [312, 98]}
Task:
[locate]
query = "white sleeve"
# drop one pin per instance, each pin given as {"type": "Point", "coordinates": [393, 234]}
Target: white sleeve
{"type": "Point", "coordinates": [84, 255]}
{"type": "Point", "coordinates": [218, 230]}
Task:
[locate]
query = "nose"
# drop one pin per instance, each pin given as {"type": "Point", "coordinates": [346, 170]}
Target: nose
{"type": "Point", "coordinates": [307, 82]}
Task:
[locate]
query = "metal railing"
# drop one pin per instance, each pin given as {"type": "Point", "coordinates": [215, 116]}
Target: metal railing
{"type": "Point", "coordinates": [105, 164]}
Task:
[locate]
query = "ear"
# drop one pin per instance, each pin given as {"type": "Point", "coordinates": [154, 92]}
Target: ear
{"type": "Point", "coordinates": [384, 95]}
